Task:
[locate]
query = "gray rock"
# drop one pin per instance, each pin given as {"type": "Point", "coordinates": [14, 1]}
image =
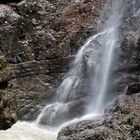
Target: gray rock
{"type": "Point", "coordinates": [120, 121]}
{"type": "Point", "coordinates": [8, 112]}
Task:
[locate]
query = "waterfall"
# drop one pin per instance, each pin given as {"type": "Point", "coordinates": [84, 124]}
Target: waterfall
{"type": "Point", "coordinates": [88, 77]}
{"type": "Point", "coordinates": [94, 60]}
{"type": "Point", "coordinates": [93, 65]}
{"type": "Point", "coordinates": [67, 93]}
{"type": "Point", "coordinates": [108, 42]}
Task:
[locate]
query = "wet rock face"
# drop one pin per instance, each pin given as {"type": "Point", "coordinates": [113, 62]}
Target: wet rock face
{"type": "Point", "coordinates": [8, 114]}
{"type": "Point", "coordinates": [126, 69]}
{"type": "Point", "coordinates": [62, 112]}
{"type": "Point", "coordinates": [121, 118]}
{"type": "Point", "coordinates": [34, 84]}
{"type": "Point", "coordinates": [133, 88]}
{"type": "Point", "coordinates": [38, 37]}
{"type": "Point", "coordinates": [121, 121]}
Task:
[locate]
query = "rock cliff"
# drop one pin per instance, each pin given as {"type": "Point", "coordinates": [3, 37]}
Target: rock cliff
{"type": "Point", "coordinates": [39, 39]}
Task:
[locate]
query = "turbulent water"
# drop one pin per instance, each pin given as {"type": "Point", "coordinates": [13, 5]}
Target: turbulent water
{"type": "Point", "coordinates": [33, 131]}
{"type": "Point", "coordinates": [96, 58]}
{"type": "Point", "coordinates": [27, 131]}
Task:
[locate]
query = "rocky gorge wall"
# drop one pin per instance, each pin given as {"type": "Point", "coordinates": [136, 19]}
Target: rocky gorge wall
{"type": "Point", "coordinates": [38, 40]}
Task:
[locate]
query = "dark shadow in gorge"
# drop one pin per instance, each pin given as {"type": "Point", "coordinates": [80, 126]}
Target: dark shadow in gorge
{"type": "Point", "coordinates": [9, 1]}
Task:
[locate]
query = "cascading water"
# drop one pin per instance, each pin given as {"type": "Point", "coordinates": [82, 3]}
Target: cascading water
{"type": "Point", "coordinates": [108, 43]}
{"type": "Point", "coordinates": [67, 93]}
{"type": "Point", "coordinates": [95, 57]}
{"type": "Point", "coordinates": [92, 65]}
{"type": "Point", "coordinates": [103, 70]}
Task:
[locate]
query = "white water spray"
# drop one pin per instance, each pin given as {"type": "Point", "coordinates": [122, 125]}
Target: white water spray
{"type": "Point", "coordinates": [68, 90]}
{"type": "Point", "coordinates": [102, 70]}
{"type": "Point", "coordinates": [27, 131]}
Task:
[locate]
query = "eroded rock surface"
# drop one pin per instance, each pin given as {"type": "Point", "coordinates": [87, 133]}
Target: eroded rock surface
{"type": "Point", "coordinates": [126, 67]}
{"type": "Point", "coordinates": [8, 112]}
{"type": "Point", "coordinates": [8, 108]}
{"type": "Point", "coordinates": [121, 118]}
{"type": "Point", "coordinates": [120, 122]}
{"type": "Point", "coordinates": [38, 39]}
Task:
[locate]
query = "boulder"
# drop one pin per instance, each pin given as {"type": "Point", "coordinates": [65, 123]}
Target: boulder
{"type": "Point", "coordinates": [133, 88]}
{"type": "Point", "coordinates": [120, 121]}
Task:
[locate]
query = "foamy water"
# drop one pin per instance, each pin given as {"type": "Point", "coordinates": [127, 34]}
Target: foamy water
{"type": "Point", "coordinates": [33, 131]}
{"type": "Point", "coordinates": [27, 131]}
